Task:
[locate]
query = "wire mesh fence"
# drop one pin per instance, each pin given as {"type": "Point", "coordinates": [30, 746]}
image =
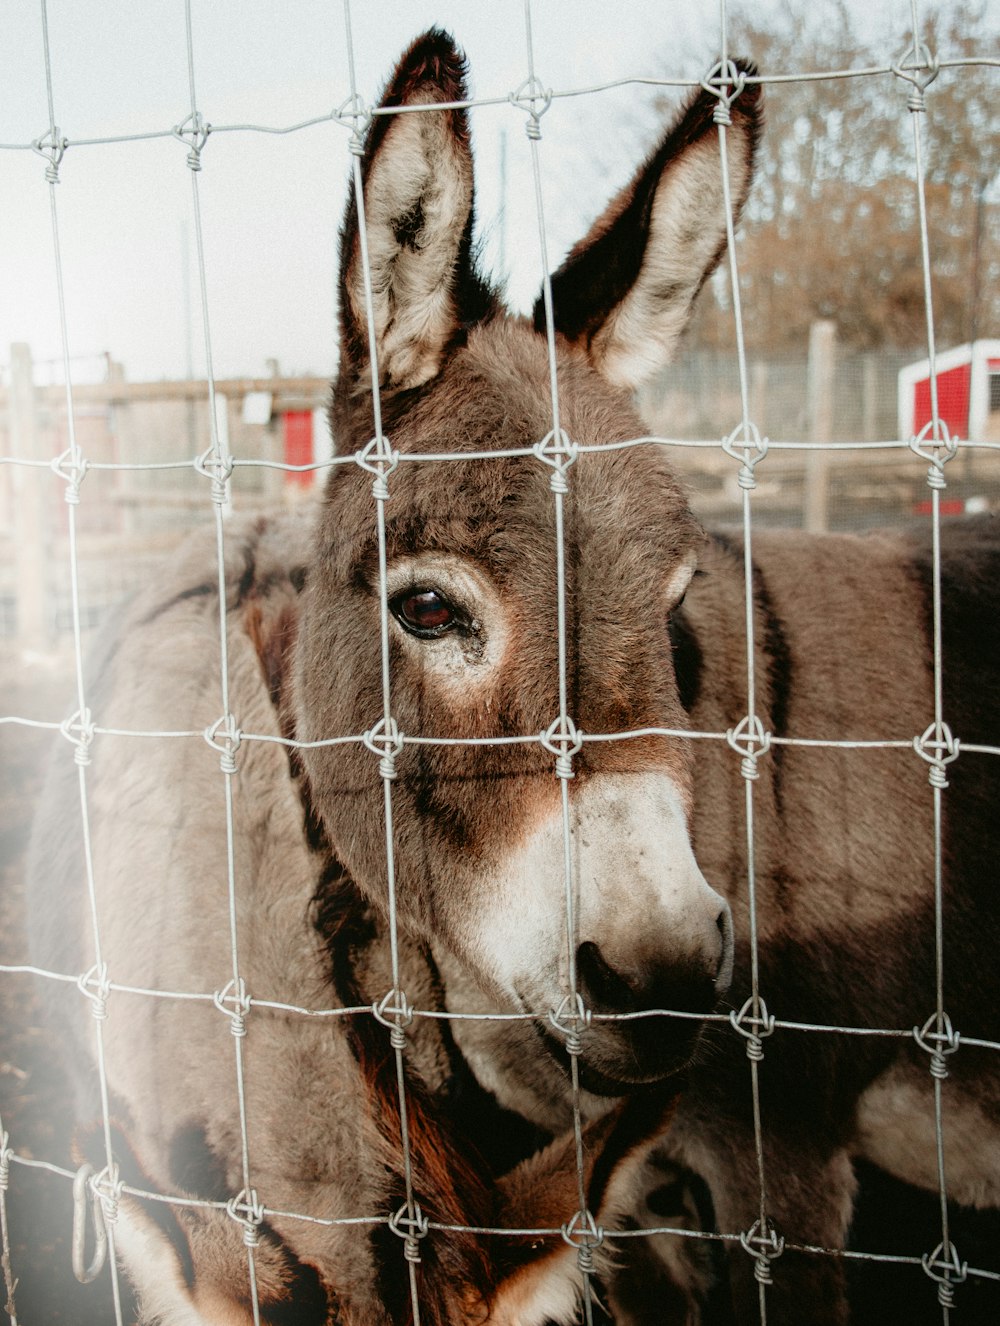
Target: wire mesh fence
{"type": "Point", "coordinates": [736, 471]}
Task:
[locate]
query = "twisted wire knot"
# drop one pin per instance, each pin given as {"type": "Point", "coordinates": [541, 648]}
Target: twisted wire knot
{"type": "Point", "coordinates": [745, 444]}
{"type": "Point", "coordinates": [584, 1234]}
{"type": "Point", "coordinates": [379, 459]}
{"type": "Point", "coordinates": [108, 1187]}
{"type": "Point", "coordinates": [72, 468]}
{"type": "Point", "coordinates": [765, 1245]}
{"type": "Point", "coordinates": [231, 738]}
{"type": "Point", "coordinates": [385, 741]}
{"type": "Point", "coordinates": [571, 1019]}
{"type": "Point", "coordinates": [716, 82]}
{"type": "Point", "coordinates": [938, 748]}
{"type": "Point", "coordinates": [943, 448]}
{"type": "Point", "coordinates": [248, 1212]}
{"type": "Point", "coordinates": [234, 993]}
{"type": "Point", "coordinates": [394, 1012]}
{"type": "Point", "coordinates": [753, 1022]}
{"type": "Point", "coordinates": [920, 72]}
{"type": "Point", "coordinates": [944, 1268]}
{"type": "Point", "coordinates": [938, 1038]}
{"type": "Point", "coordinates": [193, 132]}
{"type": "Point", "coordinates": [559, 452]}
{"type": "Point", "coordinates": [218, 470]}
{"type": "Point", "coordinates": [52, 148]}
{"type": "Point", "coordinates": [563, 740]}
{"type": "Point", "coordinates": [411, 1229]}
{"type": "Point", "coordinates": [95, 986]}
{"type": "Point", "coordinates": [355, 115]}
{"type": "Point", "coordinates": [80, 724]}
{"type": "Point", "coordinates": [535, 101]}
{"type": "Point", "coordinates": [750, 741]}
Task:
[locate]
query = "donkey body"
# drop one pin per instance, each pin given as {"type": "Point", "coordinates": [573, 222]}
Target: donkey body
{"type": "Point", "coordinates": [656, 823]}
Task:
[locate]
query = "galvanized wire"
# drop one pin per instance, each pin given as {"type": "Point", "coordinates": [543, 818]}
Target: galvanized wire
{"type": "Point", "coordinates": [378, 458]}
{"type": "Point", "coordinates": [558, 452]}
{"type": "Point", "coordinates": [750, 740]}
{"type": "Point", "coordinates": [232, 1000]}
{"type": "Point", "coordinates": [936, 745]}
{"type": "Point", "coordinates": [72, 467]}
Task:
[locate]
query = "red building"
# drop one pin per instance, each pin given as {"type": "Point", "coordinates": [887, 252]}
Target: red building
{"type": "Point", "coordinates": [306, 441]}
{"type": "Point", "coordinates": [968, 393]}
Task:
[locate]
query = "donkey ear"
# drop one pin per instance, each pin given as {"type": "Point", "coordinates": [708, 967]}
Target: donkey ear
{"type": "Point", "coordinates": [418, 195]}
{"type": "Point", "coordinates": [626, 291]}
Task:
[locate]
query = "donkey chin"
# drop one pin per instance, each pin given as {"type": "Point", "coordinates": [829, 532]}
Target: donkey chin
{"type": "Point", "coordinates": [653, 950]}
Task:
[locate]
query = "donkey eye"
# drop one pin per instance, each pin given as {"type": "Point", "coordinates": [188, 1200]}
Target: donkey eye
{"type": "Point", "coordinates": [424, 613]}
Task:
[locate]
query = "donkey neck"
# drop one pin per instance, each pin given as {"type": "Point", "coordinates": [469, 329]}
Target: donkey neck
{"type": "Point", "coordinates": [483, 1123]}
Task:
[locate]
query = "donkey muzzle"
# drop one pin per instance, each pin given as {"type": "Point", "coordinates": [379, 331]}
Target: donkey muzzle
{"type": "Point", "coordinates": [646, 1010]}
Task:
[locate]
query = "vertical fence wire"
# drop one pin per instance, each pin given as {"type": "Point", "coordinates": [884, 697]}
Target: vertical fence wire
{"type": "Point", "coordinates": [71, 466]}
{"type": "Point", "coordinates": [408, 1222]}
{"type": "Point", "coordinates": [943, 1264]}
{"type": "Point", "coordinates": [749, 739]}
{"type": "Point", "coordinates": [216, 466]}
{"type": "Point", "coordinates": [559, 452]}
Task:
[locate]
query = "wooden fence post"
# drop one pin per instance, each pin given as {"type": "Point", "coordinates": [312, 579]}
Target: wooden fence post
{"type": "Point", "coordinates": [31, 494]}
{"type": "Point", "coordinates": [822, 357]}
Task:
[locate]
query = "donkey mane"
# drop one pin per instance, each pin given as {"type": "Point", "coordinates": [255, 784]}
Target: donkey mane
{"type": "Point", "coordinates": [449, 1179]}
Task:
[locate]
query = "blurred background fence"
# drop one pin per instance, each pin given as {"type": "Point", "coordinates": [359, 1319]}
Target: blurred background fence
{"type": "Point", "coordinates": [140, 439]}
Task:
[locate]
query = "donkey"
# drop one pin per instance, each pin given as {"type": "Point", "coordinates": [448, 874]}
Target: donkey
{"type": "Point", "coordinates": [455, 585]}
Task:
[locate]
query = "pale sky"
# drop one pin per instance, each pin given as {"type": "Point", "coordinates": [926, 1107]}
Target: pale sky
{"type": "Point", "coordinates": [271, 205]}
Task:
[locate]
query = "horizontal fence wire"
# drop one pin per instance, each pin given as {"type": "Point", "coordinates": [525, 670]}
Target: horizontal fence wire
{"type": "Point", "coordinates": [337, 116]}
{"type": "Point", "coordinates": [745, 447]}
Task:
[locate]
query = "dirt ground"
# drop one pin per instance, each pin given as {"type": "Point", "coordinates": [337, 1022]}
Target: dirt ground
{"type": "Point", "coordinates": [35, 1110]}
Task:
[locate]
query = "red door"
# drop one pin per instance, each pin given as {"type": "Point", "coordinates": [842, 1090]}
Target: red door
{"type": "Point", "coordinates": [298, 426]}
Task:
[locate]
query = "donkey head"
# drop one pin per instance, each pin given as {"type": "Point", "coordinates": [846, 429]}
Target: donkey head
{"type": "Point", "coordinates": [489, 845]}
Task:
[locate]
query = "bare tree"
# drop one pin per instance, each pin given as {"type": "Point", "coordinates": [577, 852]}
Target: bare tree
{"type": "Point", "coordinates": [832, 230]}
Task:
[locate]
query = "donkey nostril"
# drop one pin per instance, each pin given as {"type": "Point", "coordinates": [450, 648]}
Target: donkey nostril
{"type": "Point", "coordinates": [600, 984]}
{"type": "Point", "coordinates": [686, 982]}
